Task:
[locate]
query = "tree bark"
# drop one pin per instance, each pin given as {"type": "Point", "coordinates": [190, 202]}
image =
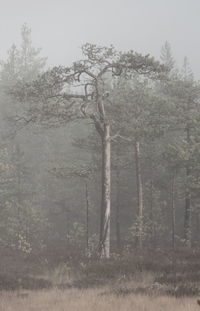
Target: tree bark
{"type": "Point", "coordinates": [139, 193]}
{"type": "Point", "coordinates": [187, 219]}
{"type": "Point", "coordinates": [104, 243]}
{"type": "Point", "coordinates": [152, 220]}
{"type": "Point", "coordinates": [18, 200]}
{"type": "Point", "coordinates": [173, 215]}
{"type": "Point", "coordinates": [118, 232]}
{"type": "Point", "coordinates": [197, 226]}
{"type": "Point", "coordinates": [87, 217]}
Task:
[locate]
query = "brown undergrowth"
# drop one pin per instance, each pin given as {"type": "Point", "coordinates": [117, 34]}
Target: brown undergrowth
{"type": "Point", "coordinates": [90, 300]}
{"type": "Point", "coordinates": [147, 273]}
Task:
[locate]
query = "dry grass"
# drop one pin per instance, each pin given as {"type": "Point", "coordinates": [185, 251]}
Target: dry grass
{"type": "Point", "coordinates": [92, 300]}
{"type": "Point", "coordinates": [120, 284]}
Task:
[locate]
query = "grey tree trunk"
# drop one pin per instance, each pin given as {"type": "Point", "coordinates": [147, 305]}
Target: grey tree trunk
{"type": "Point", "coordinates": [187, 219]}
{"type": "Point", "coordinates": [118, 232]}
{"type": "Point", "coordinates": [139, 193]}
{"type": "Point", "coordinates": [87, 217]}
{"type": "Point", "coordinates": [173, 211]}
{"type": "Point", "coordinates": [16, 158]}
{"type": "Point", "coordinates": [152, 220]}
{"type": "Point", "coordinates": [104, 243]}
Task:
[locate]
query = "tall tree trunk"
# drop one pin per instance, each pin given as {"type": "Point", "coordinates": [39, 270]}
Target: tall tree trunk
{"type": "Point", "coordinates": [87, 217]}
{"type": "Point", "coordinates": [173, 215]}
{"type": "Point", "coordinates": [18, 201]}
{"type": "Point", "coordinates": [197, 226]}
{"type": "Point", "coordinates": [118, 233]}
{"type": "Point", "coordinates": [104, 243]}
{"type": "Point", "coordinates": [152, 220]}
{"type": "Point", "coordinates": [187, 220]}
{"type": "Point", "coordinates": [139, 193]}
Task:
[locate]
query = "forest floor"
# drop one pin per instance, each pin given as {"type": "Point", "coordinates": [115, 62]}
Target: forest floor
{"type": "Point", "coordinates": [161, 281]}
{"type": "Point", "coordinates": [91, 300]}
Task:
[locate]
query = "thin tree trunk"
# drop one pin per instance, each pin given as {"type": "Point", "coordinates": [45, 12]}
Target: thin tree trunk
{"type": "Point", "coordinates": [104, 243]}
{"type": "Point", "coordinates": [87, 217]}
{"type": "Point", "coordinates": [139, 193]}
{"type": "Point", "coordinates": [118, 232]}
{"type": "Point", "coordinates": [187, 220]}
{"type": "Point", "coordinates": [151, 204]}
{"type": "Point", "coordinates": [173, 210]}
{"type": "Point", "coordinates": [18, 200]}
{"type": "Point", "coordinates": [152, 220]}
{"type": "Point", "coordinates": [197, 226]}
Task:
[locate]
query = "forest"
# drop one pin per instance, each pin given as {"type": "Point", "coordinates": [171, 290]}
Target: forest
{"type": "Point", "coordinates": [99, 172]}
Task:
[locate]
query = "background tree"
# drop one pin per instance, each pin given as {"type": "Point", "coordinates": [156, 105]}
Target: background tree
{"type": "Point", "coordinates": [22, 64]}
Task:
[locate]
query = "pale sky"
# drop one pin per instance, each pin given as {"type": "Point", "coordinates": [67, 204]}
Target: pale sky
{"type": "Point", "coordinates": [60, 27]}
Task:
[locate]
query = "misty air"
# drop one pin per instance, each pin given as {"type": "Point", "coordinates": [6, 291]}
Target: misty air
{"type": "Point", "coordinates": [99, 155]}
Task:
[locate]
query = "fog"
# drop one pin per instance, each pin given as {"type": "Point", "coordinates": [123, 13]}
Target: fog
{"type": "Point", "coordinates": [61, 27]}
{"type": "Point", "coordinates": [99, 155]}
